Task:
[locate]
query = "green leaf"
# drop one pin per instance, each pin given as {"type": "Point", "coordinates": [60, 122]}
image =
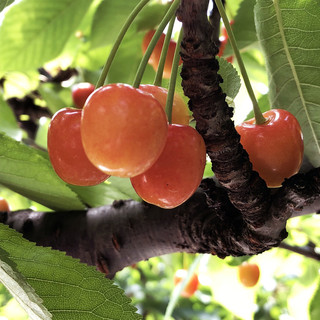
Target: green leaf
{"type": "Point", "coordinates": [69, 289]}
{"type": "Point", "coordinates": [34, 32]}
{"type": "Point", "coordinates": [243, 27]}
{"type": "Point", "coordinates": [109, 19]}
{"type": "Point", "coordinates": [29, 172]}
{"type": "Point", "coordinates": [231, 79]}
{"type": "Point", "coordinates": [289, 32]}
{"type": "Point", "coordinates": [4, 3]}
{"type": "Point", "coordinates": [314, 308]}
{"type": "Point", "coordinates": [20, 289]}
{"type": "Point", "coordinates": [114, 188]}
{"type": "Point", "coordinates": [151, 15]}
{"type": "Point", "coordinates": [8, 122]}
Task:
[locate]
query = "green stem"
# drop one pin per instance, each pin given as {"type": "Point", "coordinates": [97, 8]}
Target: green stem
{"type": "Point", "coordinates": [163, 56]}
{"type": "Point", "coordinates": [173, 78]}
{"type": "Point", "coordinates": [170, 13]}
{"type": "Point", "coordinates": [117, 43]}
{"type": "Point", "coordinates": [260, 119]}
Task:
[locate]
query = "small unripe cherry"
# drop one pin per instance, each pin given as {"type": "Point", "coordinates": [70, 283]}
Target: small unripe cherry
{"type": "Point", "coordinates": [248, 274]}
{"type": "Point", "coordinates": [80, 92]}
{"type": "Point", "coordinates": [4, 205]}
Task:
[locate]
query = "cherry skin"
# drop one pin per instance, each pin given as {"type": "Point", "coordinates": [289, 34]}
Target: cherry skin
{"type": "Point", "coordinates": [80, 93]}
{"type": "Point", "coordinates": [155, 56]}
{"type": "Point", "coordinates": [66, 152]}
{"type": "Point", "coordinates": [180, 111]}
{"type": "Point", "coordinates": [177, 173]}
{"type": "Point", "coordinates": [4, 205]}
{"type": "Point", "coordinates": [248, 274]}
{"type": "Point", "coordinates": [191, 286]}
{"type": "Point", "coordinates": [275, 147]}
{"type": "Point", "coordinates": [123, 130]}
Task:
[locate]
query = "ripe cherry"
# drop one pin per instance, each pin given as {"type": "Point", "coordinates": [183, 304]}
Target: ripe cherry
{"type": "Point", "coordinates": [66, 151]}
{"type": "Point", "coordinates": [80, 93]}
{"type": "Point", "coordinates": [248, 274]}
{"type": "Point", "coordinates": [4, 205]}
{"type": "Point", "coordinates": [223, 43]}
{"type": "Point", "coordinates": [275, 147]}
{"type": "Point", "coordinates": [191, 286]}
{"type": "Point", "coordinates": [155, 56]}
{"type": "Point", "coordinates": [123, 130]}
{"type": "Point", "coordinates": [177, 173]}
{"type": "Point", "coordinates": [180, 111]}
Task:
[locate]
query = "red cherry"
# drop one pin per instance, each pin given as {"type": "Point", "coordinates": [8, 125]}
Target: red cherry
{"type": "Point", "coordinates": [248, 274]}
{"type": "Point", "coordinates": [66, 151]}
{"type": "Point", "coordinates": [223, 42]}
{"type": "Point", "coordinates": [155, 56]}
{"type": "Point", "coordinates": [191, 286]}
{"type": "Point", "coordinates": [80, 93]}
{"type": "Point", "coordinates": [177, 173]}
{"type": "Point", "coordinates": [275, 147]}
{"type": "Point", "coordinates": [123, 130]}
{"type": "Point", "coordinates": [180, 111]}
{"type": "Point", "coordinates": [4, 205]}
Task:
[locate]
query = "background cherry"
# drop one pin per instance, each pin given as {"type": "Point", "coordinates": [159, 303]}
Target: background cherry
{"type": "Point", "coordinates": [123, 130]}
{"type": "Point", "coordinates": [191, 286]}
{"type": "Point", "coordinates": [66, 152]}
{"type": "Point", "coordinates": [80, 93]}
{"type": "Point", "coordinates": [248, 274]}
{"type": "Point", "coordinates": [4, 205]}
{"type": "Point", "coordinates": [155, 56]}
{"type": "Point", "coordinates": [275, 147]}
{"type": "Point", "coordinates": [180, 111]}
{"type": "Point", "coordinates": [177, 173]}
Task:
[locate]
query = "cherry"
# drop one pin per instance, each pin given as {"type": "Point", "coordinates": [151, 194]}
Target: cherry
{"type": "Point", "coordinates": [80, 93]}
{"type": "Point", "coordinates": [180, 111]}
{"type": "Point", "coordinates": [4, 205]}
{"type": "Point", "coordinates": [123, 130]}
{"type": "Point", "coordinates": [177, 173]}
{"type": "Point", "coordinates": [248, 274]}
{"type": "Point", "coordinates": [155, 56]}
{"type": "Point", "coordinates": [191, 286]}
{"type": "Point", "coordinates": [223, 42]}
{"type": "Point", "coordinates": [66, 152]}
{"type": "Point", "coordinates": [275, 147]}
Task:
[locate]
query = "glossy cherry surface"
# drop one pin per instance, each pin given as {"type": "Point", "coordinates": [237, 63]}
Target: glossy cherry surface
{"type": "Point", "coordinates": [275, 147]}
{"type": "Point", "coordinates": [124, 130]}
{"type": "Point", "coordinates": [66, 152]}
{"type": "Point", "coordinates": [180, 111]}
{"type": "Point", "coordinates": [177, 173]}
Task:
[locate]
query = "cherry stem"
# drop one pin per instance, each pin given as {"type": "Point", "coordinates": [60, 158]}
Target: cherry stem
{"type": "Point", "coordinates": [173, 78]}
{"type": "Point", "coordinates": [163, 56]}
{"type": "Point", "coordinates": [118, 41]}
{"type": "Point", "coordinates": [260, 119]}
{"type": "Point", "coordinates": [144, 61]}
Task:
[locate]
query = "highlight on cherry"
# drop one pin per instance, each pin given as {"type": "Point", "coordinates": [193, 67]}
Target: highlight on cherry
{"type": "Point", "coordinates": [80, 93]}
